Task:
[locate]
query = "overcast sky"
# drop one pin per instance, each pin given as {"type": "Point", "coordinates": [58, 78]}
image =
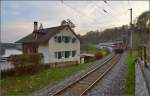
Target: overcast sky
{"type": "Point", "coordinates": [17, 17]}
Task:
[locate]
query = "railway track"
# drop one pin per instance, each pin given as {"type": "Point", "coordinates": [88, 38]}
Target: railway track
{"type": "Point", "coordinates": [81, 86]}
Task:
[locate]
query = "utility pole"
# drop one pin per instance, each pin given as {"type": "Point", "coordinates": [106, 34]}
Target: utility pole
{"type": "Point", "coordinates": [131, 28]}
{"type": "Point", "coordinates": [149, 5]}
{"type": "Point", "coordinates": [0, 36]}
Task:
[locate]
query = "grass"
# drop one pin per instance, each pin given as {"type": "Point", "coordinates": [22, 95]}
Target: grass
{"type": "Point", "coordinates": [130, 82]}
{"type": "Point", "coordinates": [25, 85]}
{"type": "Point", "coordinates": [92, 49]}
{"type": "Point", "coordinates": [148, 54]}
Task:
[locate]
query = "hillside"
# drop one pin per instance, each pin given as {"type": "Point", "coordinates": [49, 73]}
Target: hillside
{"type": "Point", "coordinates": [111, 34]}
{"type": "Point", "coordinates": [95, 37]}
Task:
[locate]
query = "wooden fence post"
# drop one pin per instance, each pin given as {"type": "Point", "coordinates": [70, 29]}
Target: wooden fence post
{"type": "Point", "coordinates": [145, 62]}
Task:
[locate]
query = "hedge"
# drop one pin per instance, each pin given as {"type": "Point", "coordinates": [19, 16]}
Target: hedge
{"type": "Point", "coordinates": [26, 59]}
{"type": "Point", "coordinates": [24, 64]}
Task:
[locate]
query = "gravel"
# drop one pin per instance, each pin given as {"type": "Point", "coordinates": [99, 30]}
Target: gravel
{"type": "Point", "coordinates": [51, 89]}
{"type": "Point", "coordinates": [113, 84]}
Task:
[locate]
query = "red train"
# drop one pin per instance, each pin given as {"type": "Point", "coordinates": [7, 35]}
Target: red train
{"type": "Point", "coordinates": [119, 48]}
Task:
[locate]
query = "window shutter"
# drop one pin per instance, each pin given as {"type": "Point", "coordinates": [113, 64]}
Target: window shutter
{"type": "Point", "coordinates": [67, 54]}
{"type": "Point", "coordinates": [73, 40]}
{"type": "Point", "coordinates": [59, 39]}
{"type": "Point", "coordinates": [59, 55]}
{"type": "Point", "coordinates": [73, 53]}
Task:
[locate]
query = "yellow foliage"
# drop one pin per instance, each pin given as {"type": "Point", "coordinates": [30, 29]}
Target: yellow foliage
{"type": "Point", "coordinates": [103, 53]}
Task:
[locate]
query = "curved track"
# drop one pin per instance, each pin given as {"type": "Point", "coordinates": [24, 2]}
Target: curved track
{"type": "Point", "coordinates": [86, 82]}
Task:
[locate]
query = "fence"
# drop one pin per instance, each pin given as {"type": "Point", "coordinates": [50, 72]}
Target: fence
{"type": "Point", "coordinates": [144, 53]}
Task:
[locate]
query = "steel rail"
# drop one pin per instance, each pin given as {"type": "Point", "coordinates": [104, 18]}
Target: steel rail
{"type": "Point", "coordinates": [92, 85]}
{"type": "Point", "coordinates": [84, 76]}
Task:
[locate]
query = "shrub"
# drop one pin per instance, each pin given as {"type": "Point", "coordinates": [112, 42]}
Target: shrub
{"type": "Point", "coordinates": [26, 59]}
{"type": "Point", "coordinates": [101, 54]}
{"type": "Point", "coordinates": [23, 70]}
{"type": "Point", "coordinates": [24, 64]}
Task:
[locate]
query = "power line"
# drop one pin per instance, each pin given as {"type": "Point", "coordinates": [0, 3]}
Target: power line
{"type": "Point", "coordinates": [104, 10]}
{"type": "Point", "coordinates": [95, 20]}
{"type": "Point", "coordinates": [118, 12]}
{"type": "Point", "coordinates": [75, 10]}
{"type": "Point", "coordinates": [79, 12]}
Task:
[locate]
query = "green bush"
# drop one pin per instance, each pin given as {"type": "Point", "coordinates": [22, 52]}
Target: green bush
{"type": "Point", "coordinates": [25, 64]}
{"type": "Point", "coordinates": [23, 70]}
{"type": "Point", "coordinates": [26, 59]}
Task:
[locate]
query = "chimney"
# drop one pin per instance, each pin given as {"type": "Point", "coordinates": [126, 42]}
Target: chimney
{"type": "Point", "coordinates": [35, 26]}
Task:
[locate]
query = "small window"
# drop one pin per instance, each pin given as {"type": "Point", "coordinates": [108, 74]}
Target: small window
{"type": "Point", "coordinates": [66, 39]}
{"type": "Point", "coordinates": [73, 53]}
{"type": "Point", "coordinates": [67, 54]}
{"type": "Point", "coordinates": [63, 54]}
{"type": "Point", "coordinates": [73, 40]}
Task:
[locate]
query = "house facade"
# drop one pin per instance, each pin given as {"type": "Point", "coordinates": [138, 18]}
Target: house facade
{"type": "Point", "coordinates": [57, 44]}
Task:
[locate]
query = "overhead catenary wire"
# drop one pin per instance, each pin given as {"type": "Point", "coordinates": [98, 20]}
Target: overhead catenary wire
{"type": "Point", "coordinates": [75, 10]}
{"type": "Point", "coordinates": [109, 12]}
{"type": "Point", "coordinates": [94, 19]}
{"type": "Point", "coordinates": [118, 12]}
{"type": "Point", "coordinates": [81, 13]}
{"type": "Point", "coordinates": [105, 11]}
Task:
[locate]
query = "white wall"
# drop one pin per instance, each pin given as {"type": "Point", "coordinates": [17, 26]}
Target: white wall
{"type": "Point", "coordinates": [52, 46]}
{"type": "Point", "coordinates": [44, 49]}
{"type": "Point", "coordinates": [55, 47]}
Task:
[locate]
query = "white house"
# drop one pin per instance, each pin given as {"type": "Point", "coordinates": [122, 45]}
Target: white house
{"type": "Point", "coordinates": [57, 44]}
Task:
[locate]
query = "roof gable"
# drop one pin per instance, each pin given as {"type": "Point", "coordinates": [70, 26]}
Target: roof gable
{"type": "Point", "coordinates": [48, 33]}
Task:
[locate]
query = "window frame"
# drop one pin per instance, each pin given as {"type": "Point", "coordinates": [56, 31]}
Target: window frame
{"type": "Point", "coordinates": [67, 55]}
{"type": "Point", "coordinates": [66, 39]}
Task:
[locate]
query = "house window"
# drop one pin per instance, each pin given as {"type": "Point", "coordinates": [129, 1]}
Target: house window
{"type": "Point", "coordinates": [67, 54]}
{"type": "Point", "coordinates": [73, 53]}
{"type": "Point", "coordinates": [73, 40]}
{"type": "Point", "coordinates": [66, 39]}
{"type": "Point", "coordinates": [62, 54]}
{"type": "Point", "coordinates": [59, 55]}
